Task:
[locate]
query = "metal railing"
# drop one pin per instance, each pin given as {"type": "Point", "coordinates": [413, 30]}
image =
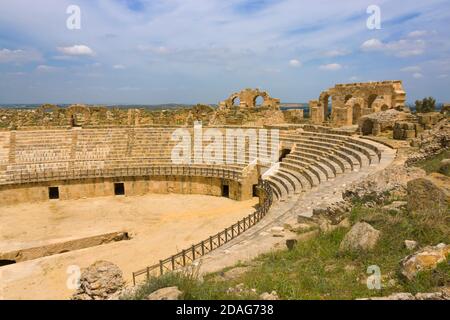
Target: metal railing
{"type": "Point", "coordinates": [188, 255]}
{"type": "Point", "coordinates": [27, 176]}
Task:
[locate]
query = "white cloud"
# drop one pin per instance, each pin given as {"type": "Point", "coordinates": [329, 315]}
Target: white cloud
{"type": "Point", "coordinates": [372, 44]}
{"type": "Point", "coordinates": [336, 53]}
{"type": "Point", "coordinates": [119, 67]}
{"type": "Point", "coordinates": [402, 48]}
{"type": "Point", "coordinates": [76, 50]}
{"type": "Point", "coordinates": [295, 63]}
{"type": "Point", "coordinates": [411, 69]}
{"type": "Point", "coordinates": [442, 76]}
{"type": "Point", "coordinates": [19, 56]}
{"type": "Point", "coordinates": [417, 34]}
{"type": "Point", "coordinates": [417, 75]}
{"type": "Point", "coordinates": [331, 67]}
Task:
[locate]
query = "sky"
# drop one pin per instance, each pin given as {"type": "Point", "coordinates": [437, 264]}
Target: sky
{"type": "Point", "coordinates": [201, 51]}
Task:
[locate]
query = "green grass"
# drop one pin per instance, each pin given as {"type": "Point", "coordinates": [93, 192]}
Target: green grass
{"type": "Point", "coordinates": [315, 269]}
{"type": "Point", "coordinates": [433, 164]}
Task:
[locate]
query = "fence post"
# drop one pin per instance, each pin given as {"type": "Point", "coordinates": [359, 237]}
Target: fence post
{"type": "Point", "coordinates": [161, 267]}
{"type": "Point", "coordinates": [193, 252]}
{"type": "Point", "coordinates": [184, 258]}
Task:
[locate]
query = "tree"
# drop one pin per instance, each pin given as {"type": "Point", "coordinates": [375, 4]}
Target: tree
{"type": "Point", "coordinates": [426, 105]}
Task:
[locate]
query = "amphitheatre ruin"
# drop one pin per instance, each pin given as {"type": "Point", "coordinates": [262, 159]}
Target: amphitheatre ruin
{"type": "Point", "coordinates": [84, 183]}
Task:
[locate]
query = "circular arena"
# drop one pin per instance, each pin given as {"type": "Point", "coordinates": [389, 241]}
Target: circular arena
{"type": "Point", "coordinates": [72, 196]}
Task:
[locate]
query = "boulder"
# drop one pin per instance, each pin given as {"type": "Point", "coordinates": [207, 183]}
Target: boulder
{"type": "Point", "coordinates": [444, 167]}
{"type": "Point", "coordinates": [277, 231]}
{"type": "Point", "coordinates": [269, 296]}
{"type": "Point", "coordinates": [429, 195]}
{"type": "Point", "coordinates": [99, 281]}
{"type": "Point", "coordinates": [169, 293]}
{"type": "Point", "coordinates": [425, 259]}
{"type": "Point", "coordinates": [361, 237]}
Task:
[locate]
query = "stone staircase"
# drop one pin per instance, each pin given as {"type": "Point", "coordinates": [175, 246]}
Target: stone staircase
{"type": "Point", "coordinates": [316, 158]}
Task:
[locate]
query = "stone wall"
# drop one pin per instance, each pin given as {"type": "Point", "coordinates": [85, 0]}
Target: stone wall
{"type": "Point", "coordinates": [349, 102]}
{"type": "Point", "coordinates": [101, 187]}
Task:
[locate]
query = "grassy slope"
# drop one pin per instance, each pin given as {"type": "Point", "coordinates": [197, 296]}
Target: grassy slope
{"type": "Point", "coordinates": [314, 269]}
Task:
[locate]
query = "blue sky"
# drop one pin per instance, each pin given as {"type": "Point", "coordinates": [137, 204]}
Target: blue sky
{"type": "Point", "coordinates": [200, 51]}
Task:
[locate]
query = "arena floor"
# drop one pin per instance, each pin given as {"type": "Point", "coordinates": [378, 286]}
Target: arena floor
{"type": "Point", "coordinates": [159, 225]}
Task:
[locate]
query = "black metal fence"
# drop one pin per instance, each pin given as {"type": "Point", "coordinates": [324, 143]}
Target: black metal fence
{"type": "Point", "coordinates": [188, 255]}
{"type": "Point", "coordinates": [27, 176]}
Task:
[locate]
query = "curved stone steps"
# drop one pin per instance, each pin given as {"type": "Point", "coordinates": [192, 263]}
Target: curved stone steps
{"type": "Point", "coordinates": [333, 165]}
{"type": "Point", "coordinates": [287, 185]}
{"type": "Point", "coordinates": [313, 166]}
{"type": "Point", "coordinates": [305, 172]}
{"type": "Point", "coordinates": [293, 180]}
{"type": "Point", "coordinates": [306, 183]}
{"type": "Point", "coordinates": [281, 191]}
{"type": "Point", "coordinates": [324, 166]}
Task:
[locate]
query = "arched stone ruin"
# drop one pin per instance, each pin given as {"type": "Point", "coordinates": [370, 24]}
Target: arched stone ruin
{"type": "Point", "coordinates": [349, 102]}
{"type": "Point", "coordinates": [247, 98]}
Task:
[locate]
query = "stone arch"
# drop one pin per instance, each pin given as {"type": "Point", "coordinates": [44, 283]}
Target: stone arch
{"type": "Point", "coordinates": [235, 101]}
{"type": "Point", "coordinates": [348, 97]}
{"type": "Point", "coordinates": [371, 99]}
{"type": "Point", "coordinates": [78, 114]}
{"type": "Point", "coordinates": [261, 99]}
{"type": "Point", "coordinates": [356, 113]}
{"type": "Point", "coordinates": [324, 100]}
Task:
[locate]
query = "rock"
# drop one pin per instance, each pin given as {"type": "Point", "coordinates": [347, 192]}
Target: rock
{"type": "Point", "coordinates": [99, 281]}
{"type": "Point", "coordinates": [269, 296]}
{"type": "Point", "coordinates": [395, 206]}
{"type": "Point", "coordinates": [277, 231]}
{"type": "Point", "coordinates": [444, 167]}
{"type": "Point", "coordinates": [395, 296]}
{"type": "Point", "coordinates": [410, 244]}
{"type": "Point", "coordinates": [169, 293]}
{"type": "Point", "coordinates": [235, 273]}
{"type": "Point", "coordinates": [431, 296]}
{"type": "Point", "coordinates": [377, 187]}
{"type": "Point", "coordinates": [429, 195]}
{"type": "Point", "coordinates": [361, 237]}
{"type": "Point", "coordinates": [425, 259]}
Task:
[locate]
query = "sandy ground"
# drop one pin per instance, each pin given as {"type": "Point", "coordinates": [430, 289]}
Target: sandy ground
{"type": "Point", "coordinates": [160, 225]}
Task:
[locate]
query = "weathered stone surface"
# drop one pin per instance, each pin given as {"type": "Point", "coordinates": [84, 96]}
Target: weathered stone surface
{"type": "Point", "coordinates": [361, 237]}
{"type": "Point", "coordinates": [99, 281]}
{"type": "Point", "coordinates": [443, 294]}
{"type": "Point", "coordinates": [429, 195]}
{"type": "Point", "coordinates": [277, 231]}
{"type": "Point", "coordinates": [425, 259]}
{"type": "Point", "coordinates": [410, 244]}
{"type": "Point", "coordinates": [235, 273]}
{"type": "Point", "coordinates": [269, 296]}
{"type": "Point", "coordinates": [169, 293]}
{"type": "Point", "coordinates": [395, 206]}
{"type": "Point", "coordinates": [377, 186]}
{"type": "Point", "coordinates": [444, 167]}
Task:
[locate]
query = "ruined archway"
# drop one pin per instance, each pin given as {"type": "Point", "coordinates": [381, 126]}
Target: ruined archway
{"type": "Point", "coordinates": [356, 113]}
{"type": "Point", "coordinates": [367, 127]}
{"type": "Point", "coordinates": [258, 101]}
{"type": "Point", "coordinates": [370, 100]}
{"type": "Point", "coordinates": [236, 102]}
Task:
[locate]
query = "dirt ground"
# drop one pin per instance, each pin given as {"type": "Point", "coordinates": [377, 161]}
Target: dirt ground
{"type": "Point", "coordinates": [160, 225]}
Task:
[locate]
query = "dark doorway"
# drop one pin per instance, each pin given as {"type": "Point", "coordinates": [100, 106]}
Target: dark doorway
{"type": "Point", "coordinates": [6, 262]}
{"type": "Point", "coordinates": [119, 189]}
{"type": "Point", "coordinates": [284, 153]}
{"type": "Point", "coordinates": [255, 190]}
{"type": "Point", "coordinates": [53, 193]}
{"type": "Point", "coordinates": [225, 191]}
